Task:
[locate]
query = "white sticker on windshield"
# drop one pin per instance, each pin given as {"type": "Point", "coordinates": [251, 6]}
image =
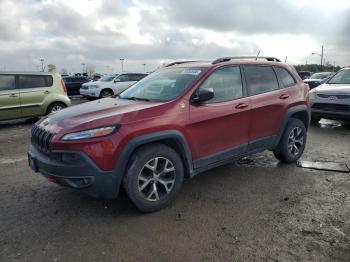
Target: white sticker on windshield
{"type": "Point", "coordinates": [191, 72]}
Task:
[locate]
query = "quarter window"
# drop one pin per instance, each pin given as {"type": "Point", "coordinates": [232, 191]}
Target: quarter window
{"type": "Point", "coordinates": [260, 79]}
{"type": "Point", "coordinates": [34, 81]}
{"type": "Point", "coordinates": [226, 83]}
{"type": "Point", "coordinates": [7, 82]}
{"type": "Point", "coordinates": [285, 77]}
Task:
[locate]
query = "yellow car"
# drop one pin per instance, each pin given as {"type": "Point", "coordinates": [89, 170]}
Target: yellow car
{"type": "Point", "coordinates": [31, 94]}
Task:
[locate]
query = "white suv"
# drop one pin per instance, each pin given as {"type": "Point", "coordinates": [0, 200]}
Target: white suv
{"type": "Point", "coordinates": [109, 85]}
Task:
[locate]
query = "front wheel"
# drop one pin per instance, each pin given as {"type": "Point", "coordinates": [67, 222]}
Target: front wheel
{"type": "Point", "coordinates": [292, 143]}
{"type": "Point", "coordinates": [106, 93]}
{"type": "Point", "coordinates": [154, 177]}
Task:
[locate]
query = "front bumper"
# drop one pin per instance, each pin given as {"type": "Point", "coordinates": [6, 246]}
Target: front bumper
{"type": "Point", "coordinates": [89, 92]}
{"type": "Point", "coordinates": [75, 170]}
{"type": "Point", "coordinates": [330, 110]}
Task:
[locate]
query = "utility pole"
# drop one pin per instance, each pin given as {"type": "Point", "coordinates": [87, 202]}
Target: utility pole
{"type": "Point", "coordinates": [122, 63]}
{"type": "Point", "coordinates": [42, 64]}
{"type": "Point", "coordinates": [144, 68]}
{"type": "Point", "coordinates": [322, 57]}
{"type": "Point", "coordinates": [286, 59]}
{"type": "Point", "coordinates": [257, 56]}
{"type": "Point", "coordinates": [83, 64]}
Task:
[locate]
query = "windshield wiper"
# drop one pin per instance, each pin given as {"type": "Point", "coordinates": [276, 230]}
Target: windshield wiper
{"type": "Point", "coordinates": [136, 98]}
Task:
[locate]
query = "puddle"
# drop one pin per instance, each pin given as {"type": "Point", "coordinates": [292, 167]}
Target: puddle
{"type": "Point", "coordinates": [325, 123]}
{"type": "Point", "coordinates": [326, 166]}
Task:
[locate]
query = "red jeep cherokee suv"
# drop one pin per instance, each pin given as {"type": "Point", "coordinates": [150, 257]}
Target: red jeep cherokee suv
{"type": "Point", "coordinates": [174, 124]}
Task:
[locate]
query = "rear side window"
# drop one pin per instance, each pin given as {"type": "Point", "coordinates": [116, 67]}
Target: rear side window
{"type": "Point", "coordinates": [34, 81]}
{"type": "Point", "coordinates": [285, 77]}
{"type": "Point", "coordinates": [226, 83]}
{"type": "Point", "coordinates": [136, 77]}
{"type": "Point", "coordinates": [7, 82]}
{"type": "Point", "coordinates": [67, 80]}
{"type": "Point", "coordinates": [260, 79]}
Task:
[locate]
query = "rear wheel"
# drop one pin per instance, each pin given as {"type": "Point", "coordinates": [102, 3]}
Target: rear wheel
{"type": "Point", "coordinates": [55, 107]}
{"type": "Point", "coordinates": [292, 143]}
{"type": "Point", "coordinates": [106, 93]}
{"type": "Point", "coordinates": [154, 177]}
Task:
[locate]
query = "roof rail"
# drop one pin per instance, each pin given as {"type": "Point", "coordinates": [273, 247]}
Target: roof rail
{"type": "Point", "coordinates": [180, 62]}
{"type": "Point", "coordinates": [226, 59]}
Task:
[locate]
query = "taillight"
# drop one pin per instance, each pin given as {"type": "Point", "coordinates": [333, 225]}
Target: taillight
{"type": "Point", "coordinates": [64, 86]}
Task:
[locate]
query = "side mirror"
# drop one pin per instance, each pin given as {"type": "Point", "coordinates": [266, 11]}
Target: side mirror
{"type": "Point", "coordinates": [116, 80]}
{"type": "Point", "coordinates": [202, 95]}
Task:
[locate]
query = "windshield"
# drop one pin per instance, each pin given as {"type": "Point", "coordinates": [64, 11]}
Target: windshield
{"type": "Point", "coordinates": [342, 77]}
{"type": "Point", "coordinates": [164, 85]}
{"type": "Point", "coordinates": [320, 76]}
{"type": "Point", "coordinates": [107, 78]}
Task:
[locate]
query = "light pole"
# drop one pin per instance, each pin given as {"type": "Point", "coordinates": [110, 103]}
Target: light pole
{"type": "Point", "coordinates": [144, 68]}
{"type": "Point", "coordinates": [321, 55]}
{"type": "Point", "coordinates": [122, 63]}
{"type": "Point", "coordinates": [83, 64]}
{"type": "Point", "coordinates": [42, 64]}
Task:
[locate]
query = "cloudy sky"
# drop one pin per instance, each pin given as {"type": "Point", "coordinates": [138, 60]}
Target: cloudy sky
{"type": "Point", "coordinates": [68, 33]}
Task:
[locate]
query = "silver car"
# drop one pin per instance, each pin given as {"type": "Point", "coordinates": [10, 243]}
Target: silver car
{"type": "Point", "coordinates": [331, 100]}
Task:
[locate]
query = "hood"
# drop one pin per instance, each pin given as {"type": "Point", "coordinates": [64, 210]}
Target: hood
{"type": "Point", "coordinates": [333, 89]}
{"type": "Point", "coordinates": [98, 83]}
{"type": "Point", "coordinates": [94, 114]}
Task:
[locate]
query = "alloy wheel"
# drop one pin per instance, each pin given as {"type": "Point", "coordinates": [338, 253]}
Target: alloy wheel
{"type": "Point", "coordinates": [156, 179]}
{"type": "Point", "coordinates": [295, 141]}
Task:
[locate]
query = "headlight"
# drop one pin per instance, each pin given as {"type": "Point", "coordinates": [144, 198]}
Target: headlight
{"type": "Point", "coordinates": [93, 86]}
{"type": "Point", "coordinates": [92, 133]}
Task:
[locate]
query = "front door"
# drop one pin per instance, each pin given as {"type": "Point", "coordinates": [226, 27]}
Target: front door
{"type": "Point", "coordinates": [9, 98]}
{"type": "Point", "coordinates": [218, 128]}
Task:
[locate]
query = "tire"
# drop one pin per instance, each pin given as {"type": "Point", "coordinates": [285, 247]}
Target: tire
{"type": "Point", "coordinates": [55, 107]}
{"type": "Point", "coordinates": [106, 93]}
{"type": "Point", "coordinates": [292, 143]}
{"type": "Point", "coordinates": [151, 191]}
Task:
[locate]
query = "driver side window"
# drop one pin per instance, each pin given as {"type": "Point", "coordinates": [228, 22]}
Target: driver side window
{"type": "Point", "coordinates": [123, 78]}
{"type": "Point", "coordinates": [226, 83]}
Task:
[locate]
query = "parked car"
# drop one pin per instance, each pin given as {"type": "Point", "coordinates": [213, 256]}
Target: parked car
{"type": "Point", "coordinates": [31, 94]}
{"type": "Point", "coordinates": [318, 79]}
{"type": "Point", "coordinates": [73, 84]}
{"type": "Point", "coordinates": [331, 100]}
{"type": "Point", "coordinates": [174, 124]}
{"type": "Point", "coordinates": [304, 74]}
{"type": "Point", "coordinates": [110, 85]}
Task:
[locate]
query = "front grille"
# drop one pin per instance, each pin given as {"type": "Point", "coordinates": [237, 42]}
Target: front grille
{"type": "Point", "coordinates": [41, 139]}
{"type": "Point", "coordinates": [332, 107]}
{"type": "Point", "coordinates": [337, 96]}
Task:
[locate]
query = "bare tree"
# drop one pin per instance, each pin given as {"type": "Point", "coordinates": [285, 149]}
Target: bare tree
{"type": "Point", "coordinates": [90, 69]}
{"type": "Point", "coordinates": [64, 71]}
{"type": "Point", "coordinates": [51, 68]}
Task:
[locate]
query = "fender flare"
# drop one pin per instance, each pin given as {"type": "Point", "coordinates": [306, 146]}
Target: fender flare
{"type": "Point", "coordinates": [291, 111]}
{"type": "Point", "coordinates": [156, 137]}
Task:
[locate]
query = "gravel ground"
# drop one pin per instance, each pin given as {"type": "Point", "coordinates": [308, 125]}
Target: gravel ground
{"type": "Point", "coordinates": [252, 210]}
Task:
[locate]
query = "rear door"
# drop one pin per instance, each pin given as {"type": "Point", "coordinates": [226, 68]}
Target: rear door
{"type": "Point", "coordinates": [33, 89]}
{"type": "Point", "coordinates": [268, 105]}
{"type": "Point", "coordinates": [9, 97]}
{"type": "Point", "coordinates": [219, 127]}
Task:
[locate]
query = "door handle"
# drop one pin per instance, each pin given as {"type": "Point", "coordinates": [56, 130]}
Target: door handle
{"type": "Point", "coordinates": [12, 95]}
{"type": "Point", "coordinates": [241, 106]}
{"type": "Point", "coordinates": [46, 92]}
{"type": "Point", "coordinates": [284, 96]}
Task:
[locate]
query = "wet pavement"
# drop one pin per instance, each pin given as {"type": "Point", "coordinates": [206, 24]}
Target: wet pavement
{"type": "Point", "coordinates": [256, 209]}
